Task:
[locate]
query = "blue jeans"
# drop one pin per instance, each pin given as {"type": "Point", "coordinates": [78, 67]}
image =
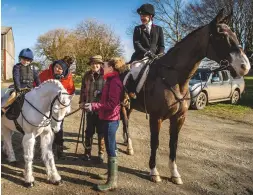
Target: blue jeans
{"type": "Point", "coordinates": [110, 128]}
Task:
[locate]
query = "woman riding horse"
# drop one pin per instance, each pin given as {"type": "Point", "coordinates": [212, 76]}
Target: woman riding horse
{"type": "Point", "coordinates": [215, 41]}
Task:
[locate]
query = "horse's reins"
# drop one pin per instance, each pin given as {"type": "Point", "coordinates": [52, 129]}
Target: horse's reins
{"type": "Point", "coordinates": [48, 118]}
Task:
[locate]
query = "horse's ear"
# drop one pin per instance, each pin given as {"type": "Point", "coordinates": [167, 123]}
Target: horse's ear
{"type": "Point", "coordinates": [227, 19]}
{"type": "Point", "coordinates": [219, 17]}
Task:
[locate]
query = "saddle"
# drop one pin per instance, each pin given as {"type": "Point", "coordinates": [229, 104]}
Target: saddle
{"type": "Point", "coordinates": [14, 110]}
{"type": "Point", "coordinates": [138, 74]}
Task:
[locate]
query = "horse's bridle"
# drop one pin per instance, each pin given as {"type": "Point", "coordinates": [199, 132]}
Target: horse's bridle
{"type": "Point", "coordinates": [51, 108]}
{"type": "Point", "coordinates": [221, 67]}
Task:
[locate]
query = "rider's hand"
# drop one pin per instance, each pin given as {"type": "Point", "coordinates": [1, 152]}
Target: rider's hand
{"type": "Point", "coordinates": [88, 107]}
{"type": "Point", "coordinates": [150, 54]}
{"type": "Point", "coordinates": [18, 90]}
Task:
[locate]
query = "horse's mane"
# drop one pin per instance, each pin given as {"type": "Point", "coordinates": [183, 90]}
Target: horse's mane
{"type": "Point", "coordinates": [53, 81]}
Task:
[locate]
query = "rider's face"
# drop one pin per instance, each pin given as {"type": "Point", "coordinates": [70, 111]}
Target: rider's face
{"type": "Point", "coordinates": [145, 19]}
{"type": "Point", "coordinates": [25, 61]}
{"type": "Point", "coordinates": [95, 67]}
{"type": "Point", "coordinates": [58, 69]}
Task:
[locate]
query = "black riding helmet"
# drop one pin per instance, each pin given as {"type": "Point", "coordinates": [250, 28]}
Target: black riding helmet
{"type": "Point", "coordinates": [146, 9]}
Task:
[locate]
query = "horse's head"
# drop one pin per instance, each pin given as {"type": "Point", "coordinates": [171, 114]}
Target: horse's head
{"type": "Point", "coordinates": [60, 107]}
{"type": "Point", "coordinates": [224, 47]}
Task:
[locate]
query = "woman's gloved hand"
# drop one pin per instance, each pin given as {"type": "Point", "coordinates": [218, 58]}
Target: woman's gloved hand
{"type": "Point", "coordinates": [88, 107]}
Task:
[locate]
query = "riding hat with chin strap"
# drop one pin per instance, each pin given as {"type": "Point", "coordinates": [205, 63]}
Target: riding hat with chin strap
{"type": "Point", "coordinates": [146, 9]}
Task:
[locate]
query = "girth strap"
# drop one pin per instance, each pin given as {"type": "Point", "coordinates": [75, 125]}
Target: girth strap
{"type": "Point", "coordinates": [18, 127]}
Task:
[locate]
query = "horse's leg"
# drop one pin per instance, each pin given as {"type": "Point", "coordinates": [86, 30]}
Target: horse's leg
{"type": "Point", "coordinates": [176, 124]}
{"type": "Point", "coordinates": [47, 138]}
{"type": "Point", "coordinates": [7, 147]}
{"type": "Point", "coordinates": [155, 125]}
{"type": "Point", "coordinates": [28, 146]}
{"type": "Point", "coordinates": [127, 138]}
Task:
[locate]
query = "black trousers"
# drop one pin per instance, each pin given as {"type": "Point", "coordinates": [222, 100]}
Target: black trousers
{"type": "Point", "coordinates": [58, 137]}
{"type": "Point", "coordinates": [93, 126]}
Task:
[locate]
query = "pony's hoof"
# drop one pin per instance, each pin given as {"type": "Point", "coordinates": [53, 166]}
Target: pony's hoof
{"type": "Point", "coordinates": [29, 184]}
{"type": "Point", "coordinates": [155, 178]}
{"type": "Point", "coordinates": [130, 151]}
{"type": "Point", "coordinates": [177, 180]}
{"type": "Point", "coordinates": [57, 183]}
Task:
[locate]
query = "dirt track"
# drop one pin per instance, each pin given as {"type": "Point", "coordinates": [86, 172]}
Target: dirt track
{"type": "Point", "coordinates": [215, 156]}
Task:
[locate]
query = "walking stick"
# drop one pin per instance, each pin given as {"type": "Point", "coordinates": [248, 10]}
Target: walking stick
{"type": "Point", "coordinates": [80, 127]}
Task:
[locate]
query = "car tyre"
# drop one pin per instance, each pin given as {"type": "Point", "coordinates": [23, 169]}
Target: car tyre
{"type": "Point", "coordinates": [235, 97]}
{"type": "Point", "coordinates": [201, 101]}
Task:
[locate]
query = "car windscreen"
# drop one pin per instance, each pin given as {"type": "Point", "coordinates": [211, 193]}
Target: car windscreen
{"type": "Point", "coordinates": [201, 76]}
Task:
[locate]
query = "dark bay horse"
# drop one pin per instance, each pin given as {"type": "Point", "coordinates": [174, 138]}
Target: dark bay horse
{"type": "Point", "coordinates": [215, 41]}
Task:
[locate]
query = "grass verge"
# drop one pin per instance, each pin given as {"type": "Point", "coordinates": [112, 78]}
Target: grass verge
{"type": "Point", "coordinates": [243, 112]}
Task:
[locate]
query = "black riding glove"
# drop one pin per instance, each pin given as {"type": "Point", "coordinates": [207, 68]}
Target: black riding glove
{"type": "Point", "coordinates": [18, 90]}
{"type": "Point", "coordinates": [150, 54]}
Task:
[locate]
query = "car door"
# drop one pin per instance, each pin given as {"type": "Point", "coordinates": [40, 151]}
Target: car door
{"type": "Point", "coordinates": [226, 86]}
{"type": "Point", "coordinates": [214, 86]}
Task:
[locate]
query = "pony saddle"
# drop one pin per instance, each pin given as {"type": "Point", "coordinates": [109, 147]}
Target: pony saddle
{"type": "Point", "coordinates": [14, 109]}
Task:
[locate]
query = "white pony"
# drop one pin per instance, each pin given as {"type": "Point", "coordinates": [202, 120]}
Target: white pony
{"type": "Point", "coordinates": [42, 113]}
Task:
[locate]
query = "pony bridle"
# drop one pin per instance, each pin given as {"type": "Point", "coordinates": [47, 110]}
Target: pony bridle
{"type": "Point", "coordinates": [52, 104]}
{"type": "Point", "coordinates": [51, 107]}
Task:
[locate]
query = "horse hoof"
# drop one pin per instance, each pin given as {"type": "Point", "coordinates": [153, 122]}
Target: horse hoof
{"type": "Point", "coordinates": [57, 183]}
{"type": "Point", "coordinates": [29, 184]}
{"type": "Point", "coordinates": [155, 178]}
{"type": "Point", "coordinates": [130, 151]}
{"type": "Point", "coordinates": [177, 180]}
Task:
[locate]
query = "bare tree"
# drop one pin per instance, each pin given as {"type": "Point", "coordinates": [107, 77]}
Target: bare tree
{"type": "Point", "coordinates": [199, 13]}
{"type": "Point", "coordinates": [169, 15]}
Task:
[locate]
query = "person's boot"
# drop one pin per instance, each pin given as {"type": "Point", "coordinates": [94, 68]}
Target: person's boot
{"type": "Point", "coordinates": [130, 86]}
{"type": "Point", "coordinates": [60, 153]}
{"type": "Point", "coordinates": [87, 151]}
{"type": "Point", "coordinates": [87, 155]}
{"type": "Point", "coordinates": [101, 148]}
{"type": "Point", "coordinates": [112, 178]}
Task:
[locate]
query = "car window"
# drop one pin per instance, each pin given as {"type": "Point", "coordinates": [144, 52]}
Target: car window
{"type": "Point", "coordinates": [225, 76]}
{"type": "Point", "coordinates": [216, 77]}
{"type": "Point", "coordinates": [201, 76]}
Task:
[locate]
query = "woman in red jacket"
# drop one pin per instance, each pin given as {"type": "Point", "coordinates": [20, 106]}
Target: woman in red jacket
{"type": "Point", "coordinates": [60, 70]}
{"type": "Point", "coordinates": [109, 112]}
